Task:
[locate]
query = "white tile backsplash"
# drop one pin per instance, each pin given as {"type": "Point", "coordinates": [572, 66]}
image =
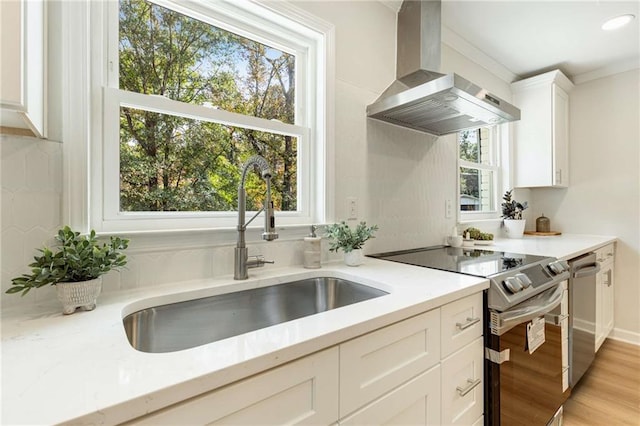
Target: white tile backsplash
{"type": "Point", "coordinates": [31, 180]}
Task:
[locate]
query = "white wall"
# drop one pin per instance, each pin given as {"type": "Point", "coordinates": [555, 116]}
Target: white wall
{"type": "Point", "coordinates": [401, 178]}
{"type": "Point", "coordinates": [604, 196]}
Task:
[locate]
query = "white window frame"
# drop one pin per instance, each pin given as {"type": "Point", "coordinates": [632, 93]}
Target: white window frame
{"type": "Point", "coordinates": [497, 139]}
{"type": "Point", "coordinates": [92, 121]}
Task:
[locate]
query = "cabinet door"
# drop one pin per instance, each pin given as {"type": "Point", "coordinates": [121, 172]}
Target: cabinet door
{"type": "Point", "coordinates": [461, 323]}
{"type": "Point", "coordinates": [533, 149]}
{"type": "Point", "coordinates": [541, 137]}
{"type": "Point", "coordinates": [11, 53]}
{"type": "Point", "coordinates": [604, 304]}
{"type": "Point", "coordinates": [560, 137]}
{"type": "Point", "coordinates": [301, 392]}
{"type": "Point", "coordinates": [417, 402]}
{"type": "Point", "coordinates": [608, 301]}
{"type": "Point", "coordinates": [374, 364]}
{"type": "Point", "coordinates": [462, 385]}
{"type": "Point", "coordinates": [22, 51]}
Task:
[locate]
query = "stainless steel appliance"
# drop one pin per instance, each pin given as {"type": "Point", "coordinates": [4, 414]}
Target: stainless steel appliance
{"type": "Point", "coordinates": [421, 97]}
{"type": "Point", "coordinates": [522, 387]}
{"type": "Point", "coordinates": [582, 320]}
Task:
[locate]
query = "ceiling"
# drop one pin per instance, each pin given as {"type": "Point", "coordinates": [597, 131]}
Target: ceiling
{"type": "Point", "coordinates": [529, 37]}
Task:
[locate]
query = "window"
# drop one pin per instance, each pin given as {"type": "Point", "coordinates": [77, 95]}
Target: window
{"type": "Point", "coordinates": [189, 94]}
{"type": "Point", "coordinates": [479, 173]}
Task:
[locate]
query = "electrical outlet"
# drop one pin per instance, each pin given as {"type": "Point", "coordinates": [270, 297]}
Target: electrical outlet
{"type": "Point", "coordinates": [352, 207]}
{"type": "Point", "coordinates": [448, 209]}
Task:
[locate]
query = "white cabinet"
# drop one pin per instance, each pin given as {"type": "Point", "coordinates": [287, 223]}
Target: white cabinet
{"type": "Point", "coordinates": [461, 323]}
{"type": "Point", "coordinates": [604, 293]}
{"type": "Point", "coordinates": [427, 369]}
{"type": "Point", "coordinates": [377, 362]}
{"type": "Point", "coordinates": [22, 54]}
{"type": "Point", "coordinates": [446, 340]}
{"type": "Point", "coordinates": [300, 392]}
{"type": "Point", "coordinates": [541, 136]}
{"type": "Point", "coordinates": [416, 402]}
{"type": "Point", "coordinates": [462, 390]}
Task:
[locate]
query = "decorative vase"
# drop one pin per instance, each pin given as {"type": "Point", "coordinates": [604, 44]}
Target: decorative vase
{"type": "Point", "coordinates": [514, 228]}
{"type": "Point", "coordinates": [81, 295]}
{"type": "Point", "coordinates": [354, 258]}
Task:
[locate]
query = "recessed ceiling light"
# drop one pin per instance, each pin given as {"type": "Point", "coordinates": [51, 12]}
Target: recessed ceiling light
{"type": "Point", "coordinates": [617, 22]}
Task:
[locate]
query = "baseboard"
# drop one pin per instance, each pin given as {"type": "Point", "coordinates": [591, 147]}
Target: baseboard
{"type": "Point", "coordinates": [625, 336]}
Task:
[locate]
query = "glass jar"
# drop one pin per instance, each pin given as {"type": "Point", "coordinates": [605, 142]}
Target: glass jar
{"type": "Point", "coordinates": [543, 224]}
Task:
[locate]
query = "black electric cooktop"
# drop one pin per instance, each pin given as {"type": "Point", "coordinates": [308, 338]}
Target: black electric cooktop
{"type": "Point", "coordinates": [470, 261]}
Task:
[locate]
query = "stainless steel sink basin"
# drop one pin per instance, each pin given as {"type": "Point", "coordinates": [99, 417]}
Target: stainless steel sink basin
{"type": "Point", "coordinates": [184, 325]}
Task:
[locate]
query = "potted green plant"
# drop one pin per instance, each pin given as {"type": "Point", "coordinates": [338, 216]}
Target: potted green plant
{"type": "Point", "coordinates": [75, 267]}
{"type": "Point", "coordinates": [350, 241]}
{"type": "Point", "coordinates": [512, 213]}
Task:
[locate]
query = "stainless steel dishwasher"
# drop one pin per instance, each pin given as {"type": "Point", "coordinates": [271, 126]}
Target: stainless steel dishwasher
{"type": "Point", "coordinates": [582, 314]}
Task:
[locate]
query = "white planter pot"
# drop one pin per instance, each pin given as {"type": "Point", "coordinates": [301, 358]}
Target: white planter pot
{"type": "Point", "coordinates": [81, 295]}
{"type": "Point", "coordinates": [514, 228]}
{"type": "Point", "coordinates": [354, 258]}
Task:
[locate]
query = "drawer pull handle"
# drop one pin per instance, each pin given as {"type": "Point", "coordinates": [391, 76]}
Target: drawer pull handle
{"type": "Point", "coordinates": [469, 323]}
{"type": "Point", "coordinates": [469, 388]}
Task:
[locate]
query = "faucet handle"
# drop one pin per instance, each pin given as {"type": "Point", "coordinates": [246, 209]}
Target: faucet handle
{"type": "Point", "coordinates": [257, 261]}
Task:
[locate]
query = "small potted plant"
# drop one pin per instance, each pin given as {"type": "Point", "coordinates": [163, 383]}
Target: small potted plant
{"type": "Point", "coordinates": [350, 241]}
{"type": "Point", "coordinates": [75, 267]}
{"type": "Point", "coordinates": [512, 214]}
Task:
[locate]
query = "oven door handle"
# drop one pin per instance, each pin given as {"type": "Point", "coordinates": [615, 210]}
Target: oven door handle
{"type": "Point", "coordinates": [526, 311]}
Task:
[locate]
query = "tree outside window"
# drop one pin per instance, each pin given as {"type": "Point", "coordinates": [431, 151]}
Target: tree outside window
{"type": "Point", "coordinates": [170, 162]}
{"type": "Point", "coordinates": [479, 169]}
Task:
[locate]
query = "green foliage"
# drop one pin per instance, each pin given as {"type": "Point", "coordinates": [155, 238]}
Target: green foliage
{"type": "Point", "coordinates": [476, 234]}
{"type": "Point", "coordinates": [469, 184]}
{"type": "Point", "coordinates": [343, 237]}
{"type": "Point", "coordinates": [78, 258]}
{"type": "Point", "coordinates": [512, 209]}
{"type": "Point", "coordinates": [171, 163]}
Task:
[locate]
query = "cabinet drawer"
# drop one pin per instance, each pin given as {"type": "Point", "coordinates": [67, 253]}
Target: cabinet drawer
{"type": "Point", "coordinates": [461, 323]}
{"type": "Point", "coordinates": [373, 364]}
{"type": "Point", "coordinates": [605, 253]}
{"type": "Point", "coordinates": [305, 387]}
{"type": "Point", "coordinates": [462, 385]}
{"type": "Point", "coordinates": [417, 402]}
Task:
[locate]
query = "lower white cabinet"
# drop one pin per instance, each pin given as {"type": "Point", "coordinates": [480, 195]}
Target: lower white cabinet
{"type": "Point", "coordinates": [416, 402]}
{"type": "Point", "coordinates": [377, 362]}
{"type": "Point", "coordinates": [463, 390]}
{"type": "Point", "coordinates": [300, 392]}
{"type": "Point", "coordinates": [604, 293]}
{"type": "Point", "coordinates": [399, 374]}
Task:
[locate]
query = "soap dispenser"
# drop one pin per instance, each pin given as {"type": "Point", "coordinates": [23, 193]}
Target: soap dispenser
{"type": "Point", "coordinates": [312, 251]}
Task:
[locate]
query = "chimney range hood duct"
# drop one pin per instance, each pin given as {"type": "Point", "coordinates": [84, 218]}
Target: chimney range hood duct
{"type": "Point", "coordinates": [428, 100]}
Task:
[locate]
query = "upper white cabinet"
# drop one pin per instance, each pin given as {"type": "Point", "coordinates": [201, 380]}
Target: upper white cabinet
{"type": "Point", "coordinates": [22, 54]}
{"type": "Point", "coordinates": [541, 137]}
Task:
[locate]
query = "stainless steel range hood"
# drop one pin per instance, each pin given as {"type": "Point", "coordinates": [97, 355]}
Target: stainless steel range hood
{"type": "Point", "coordinates": [426, 100]}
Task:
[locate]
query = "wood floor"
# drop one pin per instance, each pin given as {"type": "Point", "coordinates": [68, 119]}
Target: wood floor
{"type": "Point", "coordinates": [609, 393]}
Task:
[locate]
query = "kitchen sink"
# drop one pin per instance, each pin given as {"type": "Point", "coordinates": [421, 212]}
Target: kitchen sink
{"type": "Point", "coordinates": [183, 325]}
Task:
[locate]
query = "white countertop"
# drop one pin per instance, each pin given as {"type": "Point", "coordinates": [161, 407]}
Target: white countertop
{"type": "Point", "coordinates": [565, 246]}
{"type": "Point", "coordinates": [81, 367]}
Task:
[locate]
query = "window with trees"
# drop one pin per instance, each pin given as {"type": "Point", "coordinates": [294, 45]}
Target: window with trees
{"type": "Point", "coordinates": [192, 92]}
{"type": "Point", "coordinates": [479, 169]}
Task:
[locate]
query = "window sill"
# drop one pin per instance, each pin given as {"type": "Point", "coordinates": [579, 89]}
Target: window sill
{"type": "Point", "coordinates": [489, 220]}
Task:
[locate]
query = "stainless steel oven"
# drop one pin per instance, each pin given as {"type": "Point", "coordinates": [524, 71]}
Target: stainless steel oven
{"type": "Point", "coordinates": [526, 385]}
{"type": "Point", "coordinates": [526, 331]}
